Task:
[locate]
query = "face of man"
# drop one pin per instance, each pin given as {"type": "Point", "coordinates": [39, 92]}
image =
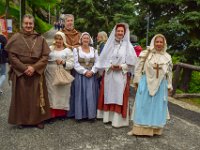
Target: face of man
{"type": "Point", "coordinates": [69, 23]}
{"type": "Point", "coordinates": [159, 43]}
{"type": "Point", "coordinates": [119, 33]}
{"type": "Point", "coordinates": [28, 24]}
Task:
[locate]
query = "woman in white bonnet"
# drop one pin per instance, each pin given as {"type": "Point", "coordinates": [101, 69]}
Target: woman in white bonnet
{"type": "Point", "coordinates": [58, 94]}
{"type": "Point", "coordinates": [83, 105]}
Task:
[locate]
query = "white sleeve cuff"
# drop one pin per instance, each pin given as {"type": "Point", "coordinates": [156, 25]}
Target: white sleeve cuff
{"type": "Point", "coordinates": [124, 68]}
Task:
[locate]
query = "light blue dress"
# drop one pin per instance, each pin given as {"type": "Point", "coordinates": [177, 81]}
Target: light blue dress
{"type": "Point", "coordinates": [151, 111]}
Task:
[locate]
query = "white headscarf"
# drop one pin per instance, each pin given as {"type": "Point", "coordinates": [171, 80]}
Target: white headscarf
{"type": "Point", "coordinates": [63, 37]}
{"type": "Point", "coordinates": [152, 44]}
{"type": "Point", "coordinates": [107, 52]}
{"type": "Point", "coordinates": [86, 33]}
{"type": "Point", "coordinates": [164, 62]}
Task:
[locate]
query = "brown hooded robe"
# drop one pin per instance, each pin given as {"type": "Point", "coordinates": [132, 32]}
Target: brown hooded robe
{"type": "Point", "coordinates": [72, 37]}
{"type": "Point", "coordinates": [29, 102]}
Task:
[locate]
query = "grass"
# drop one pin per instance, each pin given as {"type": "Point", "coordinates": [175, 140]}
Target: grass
{"type": "Point", "coordinates": [193, 101]}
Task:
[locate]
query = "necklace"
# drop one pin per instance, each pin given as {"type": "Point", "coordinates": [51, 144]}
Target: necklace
{"type": "Point", "coordinates": [30, 48]}
{"type": "Point", "coordinates": [117, 55]}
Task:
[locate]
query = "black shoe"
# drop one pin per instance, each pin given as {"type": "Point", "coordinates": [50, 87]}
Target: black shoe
{"type": "Point", "coordinates": [20, 126]}
{"type": "Point", "coordinates": [92, 120]}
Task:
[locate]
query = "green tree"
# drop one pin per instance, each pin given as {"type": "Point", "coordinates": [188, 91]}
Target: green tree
{"type": "Point", "coordinates": [94, 16]}
{"type": "Point", "coordinates": [41, 9]}
{"type": "Point", "coordinates": [7, 8]}
{"type": "Point", "coordinates": [179, 21]}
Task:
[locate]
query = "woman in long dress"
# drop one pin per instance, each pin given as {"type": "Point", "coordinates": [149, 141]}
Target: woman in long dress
{"type": "Point", "coordinates": [153, 77]}
{"type": "Point", "coordinates": [86, 85]}
{"type": "Point", "coordinates": [117, 58]}
{"type": "Point", "coordinates": [59, 94]}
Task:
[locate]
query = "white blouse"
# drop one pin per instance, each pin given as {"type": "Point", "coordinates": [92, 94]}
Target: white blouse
{"type": "Point", "coordinates": [92, 54]}
{"type": "Point", "coordinates": [66, 55]}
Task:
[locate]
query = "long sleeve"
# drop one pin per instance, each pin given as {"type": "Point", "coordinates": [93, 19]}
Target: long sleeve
{"type": "Point", "coordinates": [140, 65]}
{"type": "Point", "coordinates": [80, 69]}
{"type": "Point", "coordinates": [40, 65]}
{"type": "Point", "coordinates": [94, 69]}
{"type": "Point", "coordinates": [169, 75]}
{"type": "Point", "coordinates": [127, 68]}
{"type": "Point", "coordinates": [138, 71]}
{"type": "Point", "coordinates": [69, 63]}
{"type": "Point", "coordinates": [16, 64]}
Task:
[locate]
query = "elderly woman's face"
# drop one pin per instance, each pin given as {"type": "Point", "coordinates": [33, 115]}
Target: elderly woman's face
{"type": "Point", "coordinates": [59, 41]}
{"type": "Point", "coordinates": [85, 39]}
{"type": "Point", "coordinates": [159, 43]}
{"type": "Point", "coordinates": [119, 34]}
{"type": "Point", "coordinates": [28, 24]}
{"type": "Point", "coordinates": [69, 23]}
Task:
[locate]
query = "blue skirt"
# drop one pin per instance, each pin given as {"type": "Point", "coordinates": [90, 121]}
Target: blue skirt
{"type": "Point", "coordinates": [151, 111]}
{"type": "Point", "coordinates": [84, 96]}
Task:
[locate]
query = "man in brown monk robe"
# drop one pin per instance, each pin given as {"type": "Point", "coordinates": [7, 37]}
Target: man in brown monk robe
{"type": "Point", "coordinates": [72, 40]}
{"type": "Point", "coordinates": [72, 35]}
{"type": "Point", "coordinates": [28, 56]}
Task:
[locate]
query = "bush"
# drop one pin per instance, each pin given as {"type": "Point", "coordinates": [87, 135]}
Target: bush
{"type": "Point", "coordinates": [194, 85]}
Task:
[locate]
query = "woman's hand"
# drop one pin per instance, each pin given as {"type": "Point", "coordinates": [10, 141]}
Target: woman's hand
{"type": "Point", "coordinates": [170, 92]}
{"type": "Point", "coordinates": [116, 67]}
{"type": "Point", "coordinates": [60, 62]}
{"type": "Point", "coordinates": [135, 87]}
{"type": "Point", "coordinates": [89, 74]}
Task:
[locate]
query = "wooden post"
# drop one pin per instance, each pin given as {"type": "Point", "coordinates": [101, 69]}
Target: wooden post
{"type": "Point", "coordinates": [176, 79]}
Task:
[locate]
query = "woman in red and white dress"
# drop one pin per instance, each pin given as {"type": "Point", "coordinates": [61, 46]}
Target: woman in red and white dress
{"type": "Point", "coordinates": [117, 59]}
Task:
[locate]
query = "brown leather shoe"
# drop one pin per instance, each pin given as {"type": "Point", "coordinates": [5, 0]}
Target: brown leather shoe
{"type": "Point", "coordinates": [40, 126]}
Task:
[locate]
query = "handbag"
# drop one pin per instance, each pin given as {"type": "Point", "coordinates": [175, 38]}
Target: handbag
{"type": "Point", "coordinates": [62, 76]}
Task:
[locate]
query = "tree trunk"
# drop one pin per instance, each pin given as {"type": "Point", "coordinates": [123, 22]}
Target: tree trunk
{"type": "Point", "coordinates": [33, 9]}
{"type": "Point", "coordinates": [7, 9]}
{"type": "Point", "coordinates": [23, 8]}
{"type": "Point", "coordinates": [186, 77]}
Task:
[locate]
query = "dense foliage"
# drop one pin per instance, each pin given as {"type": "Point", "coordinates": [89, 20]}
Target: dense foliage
{"type": "Point", "coordinates": [178, 20]}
